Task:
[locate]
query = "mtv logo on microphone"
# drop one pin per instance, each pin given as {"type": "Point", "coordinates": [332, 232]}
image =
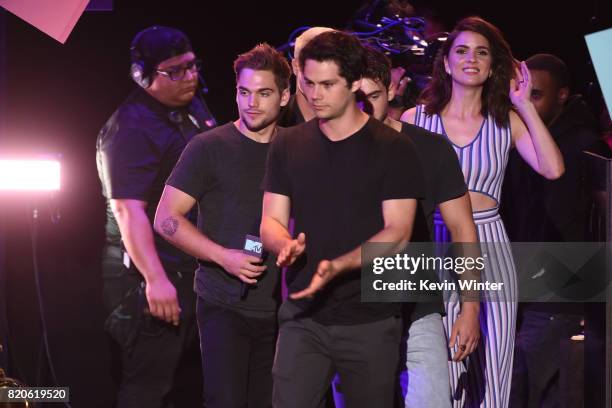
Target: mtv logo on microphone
{"type": "Point", "coordinates": [253, 246]}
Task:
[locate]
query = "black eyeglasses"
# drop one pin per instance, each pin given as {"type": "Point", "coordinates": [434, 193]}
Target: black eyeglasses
{"type": "Point", "coordinates": [178, 73]}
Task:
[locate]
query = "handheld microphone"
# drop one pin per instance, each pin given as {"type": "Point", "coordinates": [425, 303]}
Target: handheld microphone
{"type": "Point", "coordinates": [254, 247]}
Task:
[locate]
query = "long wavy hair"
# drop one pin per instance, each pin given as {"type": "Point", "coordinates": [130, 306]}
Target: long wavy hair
{"type": "Point", "coordinates": [495, 99]}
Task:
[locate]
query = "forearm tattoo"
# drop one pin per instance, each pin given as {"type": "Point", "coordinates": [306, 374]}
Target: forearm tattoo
{"type": "Point", "coordinates": [170, 226]}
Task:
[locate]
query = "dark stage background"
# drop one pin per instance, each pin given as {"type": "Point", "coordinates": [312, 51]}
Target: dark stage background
{"type": "Point", "coordinates": [56, 98]}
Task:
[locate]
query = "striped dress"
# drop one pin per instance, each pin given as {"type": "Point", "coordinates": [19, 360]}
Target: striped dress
{"type": "Point", "coordinates": [483, 379]}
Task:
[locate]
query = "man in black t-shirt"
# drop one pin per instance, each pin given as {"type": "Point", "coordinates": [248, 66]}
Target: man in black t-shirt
{"type": "Point", "coordinates": [238, 292]}
{"type": "Point", "coordinates": [347, 179]}
{"type": "Point", "coordinates": [427, 350]}
{"type": "Point", "coordinates": [147, 282]}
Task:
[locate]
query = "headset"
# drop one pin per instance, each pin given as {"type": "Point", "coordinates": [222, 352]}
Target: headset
{"type": "Point", "coordinates": [146, 54]}
{"type": "Point", "coordinates": [139, 65]}
{"type": "Point", "coordinates": [137, 73]}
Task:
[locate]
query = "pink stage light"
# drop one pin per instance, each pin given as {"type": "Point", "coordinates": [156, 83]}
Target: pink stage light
{"type": "Point", "coordinates": [29, 175]}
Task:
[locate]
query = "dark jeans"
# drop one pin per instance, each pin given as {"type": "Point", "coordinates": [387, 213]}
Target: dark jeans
{"type": "Point", "coordinates": [237, 356]}
{"type": "Point", "coordinates": [150, 349]}
{"type": "Point", "coordinates": [308, 354]}
{"type": "Point", "coordinates": [537, 353]}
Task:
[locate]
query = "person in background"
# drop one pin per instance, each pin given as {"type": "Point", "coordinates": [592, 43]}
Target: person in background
{"type": "Point", "coordinates": [147, 282]}
{"type": "Point", "coordinates": [552, 210]}
{"type": "Point", "coordinates": [549, 211]}
{"type": "Point", "coordinates": [427, 381]}
{"type": "Point", "coordinates": [298, 110]}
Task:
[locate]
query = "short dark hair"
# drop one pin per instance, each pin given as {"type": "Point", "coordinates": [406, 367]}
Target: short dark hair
{"type": "Point", "coordinates": [378, 66]}
{"type": "Point", "coordinates": [156, 44]}
{"type": "Point", "coordinates": [342, 48]}
{"type": "Point", "coordinates": [263, 57]}
{"type": "Point", "coordinates": [551, 64]}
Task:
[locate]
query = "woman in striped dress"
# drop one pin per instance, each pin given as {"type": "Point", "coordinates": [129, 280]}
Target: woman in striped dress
{"type": "Point", "coordinates": [479, 98]}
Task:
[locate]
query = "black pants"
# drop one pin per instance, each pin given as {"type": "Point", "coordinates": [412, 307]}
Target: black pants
{"type": "Point", "coordinates": [535, 376]}
{"type": "Point", "coordinates": [237, 357]}
{"type": "Point", "coordinates": [150, 349]}
{"type": "Point", "coordinates": [308, 354]}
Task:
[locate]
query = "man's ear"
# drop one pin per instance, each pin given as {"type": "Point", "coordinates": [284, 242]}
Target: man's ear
{"type": "Point", "coordinates": [285, 95]}
{"type": "Point", "coordinates": [391, 89]}
{"type": "Point", "coordinates": [563, 94]}
{"type": "Point", "coordinates": [295, 66]}
{"type": "Point", "coordinates": [356, 85]}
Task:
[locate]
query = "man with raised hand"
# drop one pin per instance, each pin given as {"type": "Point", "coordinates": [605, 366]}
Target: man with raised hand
{"type": "Point", "coordinates": [347, 180]}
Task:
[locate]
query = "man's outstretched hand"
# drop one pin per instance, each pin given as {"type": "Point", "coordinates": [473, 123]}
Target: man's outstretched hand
{"type": "Point", "coordinates": [291, 251]}
{"type": "Point", "coordinates": [326, 271]}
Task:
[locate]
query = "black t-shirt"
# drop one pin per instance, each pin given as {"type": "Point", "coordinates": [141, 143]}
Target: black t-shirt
{"type": "Point", "coordinates": [136, 151]}
{"type": "Point", "coordinates": [443, 182]}
{"type": "Point", "coordinates": [443, 176]}
{"type": "Point", "coordinates": [336, 191]}
{"type": "Point", "coordinates": [222, 169]}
